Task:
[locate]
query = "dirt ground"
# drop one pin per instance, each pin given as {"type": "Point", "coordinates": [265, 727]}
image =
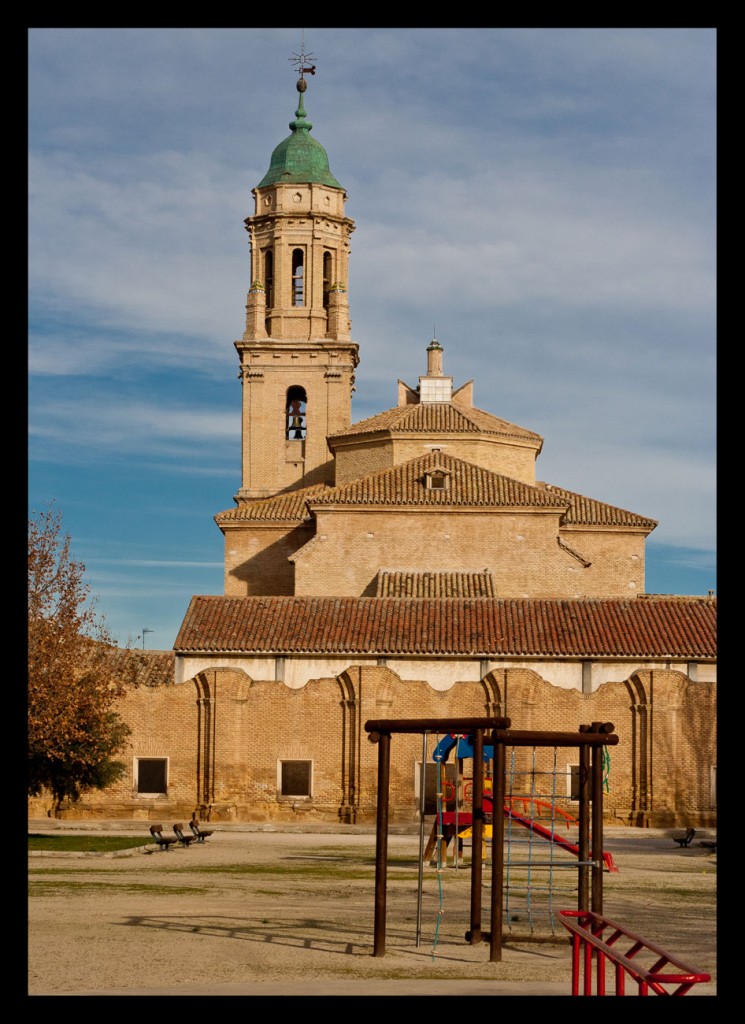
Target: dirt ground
{"type": "Point", "coordinates": [267, 911]}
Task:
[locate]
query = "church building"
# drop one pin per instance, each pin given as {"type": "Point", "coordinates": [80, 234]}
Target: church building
{"type": "Point", "coordinates": [410, 565]}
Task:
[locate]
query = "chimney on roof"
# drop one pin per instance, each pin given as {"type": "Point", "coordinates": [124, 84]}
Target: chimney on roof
{"type": "Point", "coordinates": [435, 387]}
{"type": "Point", "coordinates": [434, 359]}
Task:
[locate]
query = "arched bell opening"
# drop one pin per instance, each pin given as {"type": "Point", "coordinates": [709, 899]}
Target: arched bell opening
{"type": "Point", "coordinates": [296, 408]}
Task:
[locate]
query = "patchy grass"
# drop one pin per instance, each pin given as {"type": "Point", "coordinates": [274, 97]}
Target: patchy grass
{"type": "Point", "coordinates": [333, 871]}
{"type": "Point", "coordinates": [71, 887]}
{"type": "Point", "coordinates": [84, 843]}
{"type": "Point", "coordinates": [332, 856]}
{"type": "Point", "coordinates": [664, 893]}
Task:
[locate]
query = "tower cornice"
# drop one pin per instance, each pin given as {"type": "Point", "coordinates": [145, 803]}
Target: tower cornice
{"type": "Point", "coordinates": [257, 219]}
{"type": "Point", "coordinates": [277, 346]}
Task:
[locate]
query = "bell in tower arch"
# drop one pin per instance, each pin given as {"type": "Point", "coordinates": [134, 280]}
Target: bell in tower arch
{"type": "Point", "coordinates": [296, 418]}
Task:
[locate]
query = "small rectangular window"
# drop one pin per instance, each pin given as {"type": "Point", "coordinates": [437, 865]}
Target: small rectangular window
{"type": "Point", "coordinates": [573, 781]}
{"type": "Point", "coordinates": [152, 776]}
{"type": "Point", "coordinates": [586, 677]}
{"type": "Point", "coordinates": [435, 481]}
{"type": "Point", "coordinates": [295, 778]}
{"type": "Point", "coordinates": [430, 786]}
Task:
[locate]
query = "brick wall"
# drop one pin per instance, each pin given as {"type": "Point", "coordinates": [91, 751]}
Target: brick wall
{"type": "Point", "coordinates": [358, 458]}
{"type": "Point", "coordinates": [225, 735]}
{"type": "Point", "coordinates": [520, 549]}
{"type": "Point", "coordinates": [270, 462]}
{"type": "Point", "coordinates": [353, 461]}
{"type": "Point", "coordinates": [497, 455]}
{"type": "Point", "coordinates": [257, 559]}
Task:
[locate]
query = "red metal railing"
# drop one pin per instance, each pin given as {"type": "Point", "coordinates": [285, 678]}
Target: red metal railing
{"type": "Point", "coordinates": [597, 940]}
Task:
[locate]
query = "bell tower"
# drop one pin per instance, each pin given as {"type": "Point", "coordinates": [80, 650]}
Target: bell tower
{"type": "Point", "coordinates": [297, 358]}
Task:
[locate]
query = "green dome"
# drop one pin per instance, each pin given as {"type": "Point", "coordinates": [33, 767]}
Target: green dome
{"type": "Point", "coordinates": [299, 159]}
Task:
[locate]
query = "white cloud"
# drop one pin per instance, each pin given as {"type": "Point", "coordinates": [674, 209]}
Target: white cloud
{"type": "Point", "coordinates": [117, 424]}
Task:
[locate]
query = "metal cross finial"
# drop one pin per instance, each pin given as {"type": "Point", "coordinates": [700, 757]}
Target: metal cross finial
{"type": "Point", "coordinates": [300, 60]}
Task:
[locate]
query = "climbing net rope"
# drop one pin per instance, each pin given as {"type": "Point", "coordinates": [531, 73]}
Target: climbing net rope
{"type": "Point", "coordinates": [532, 880]}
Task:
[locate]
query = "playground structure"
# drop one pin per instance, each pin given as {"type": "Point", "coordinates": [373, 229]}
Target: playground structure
{"type": "Point", "coordinates": [590, 742]}
{"type": "Point", "coordinates": [541, 814]}
{"type": "Point", "coordinates": [541, 849]}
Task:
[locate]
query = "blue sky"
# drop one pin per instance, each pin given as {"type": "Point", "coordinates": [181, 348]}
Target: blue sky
{"type": "Point", "coordinates": [541, 199]}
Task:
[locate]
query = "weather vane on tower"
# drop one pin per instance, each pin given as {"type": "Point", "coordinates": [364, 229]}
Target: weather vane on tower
{"type": "Point", "coordinates": [301, 61]}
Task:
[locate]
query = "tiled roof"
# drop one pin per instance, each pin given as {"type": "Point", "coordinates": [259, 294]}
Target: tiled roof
{"type": "Point", "coordinates": [288, 507]}
{"type": "Point", "coordinates": [438, 417]}
{"type": "Point", "coordinates": [467, 484]}
{"type": "Point", "coordinates": [473, 627]}
{"type": "Point", "coordinates": [589, 512]}
{"type": "Point", "coordinates": [144, 668]}
{"type": "Point", "coordinates": [391, 583]}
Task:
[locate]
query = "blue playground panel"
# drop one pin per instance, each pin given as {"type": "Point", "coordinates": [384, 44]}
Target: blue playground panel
{"type": "Point", "coordinates": [464, 745]}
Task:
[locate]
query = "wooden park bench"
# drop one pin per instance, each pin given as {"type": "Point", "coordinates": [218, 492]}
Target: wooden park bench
{"type": "Point", "coordinates": [181, 837]}
{"type": "Point", "coordinates": [164, 842]}
{"type": "Point", "coordinates": [200, 834]}
{"type": "Point", "coordinates": [686, 838]}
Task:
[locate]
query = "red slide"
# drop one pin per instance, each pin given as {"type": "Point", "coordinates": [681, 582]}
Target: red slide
{"type": "Point", "coordinates": [554, 837]}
